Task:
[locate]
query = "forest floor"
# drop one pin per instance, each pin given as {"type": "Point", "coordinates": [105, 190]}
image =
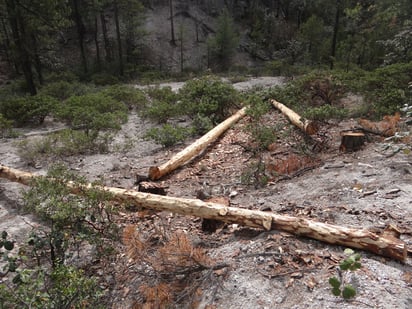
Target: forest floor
{"type": "Point", "coordinates": [370, 188]}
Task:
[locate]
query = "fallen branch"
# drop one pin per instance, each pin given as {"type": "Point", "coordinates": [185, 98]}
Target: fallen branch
{"type": "Point", "coordinates": [385, 244]}
{"type": "Point", "coordinates": [156, 172]}
{"type": "Point", "coordinates": [307, 126]}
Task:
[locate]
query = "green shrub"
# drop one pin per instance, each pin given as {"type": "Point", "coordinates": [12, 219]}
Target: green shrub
{"type": "Point", "coordinates": [386, 88]}
{"type": "Point", "coordinates": [64, 143]}
{"type": "Point", "coordinates": [325, 112]}
{"type": "Point", "coordinates": [201, 125]}
{"type": "Point", "coordinates": [103, 79]}
{"type": "Point", "coordinates": [44, 277]}
{"type": "Point", "coordinates": [163, 104]}
{"type": "Point", "coordinates": [130, 96]}
{"type": "Point", "coordinates": [64, 287]}
{"type": "Point", "coordinates": [5, 127]}
{"type": "Point", "coordinates": [66, 76]}
{"type": "Point", "coordinates": [93, 113]}
{"type": "Point", "coordinates": [340, 285]}
{"type": "Point", "coordinates": [262, 134]}
{"type": "Point", "coordinates": [62, 90]}
{"type": "Point", "coordinates": [209, 97]}
{"type": "Point", "coordinates": [28, 109]}
{"type": "Point", "coordinates": [168, 135]}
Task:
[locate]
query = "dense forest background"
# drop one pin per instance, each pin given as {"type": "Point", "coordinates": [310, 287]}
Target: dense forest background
{"type": "Point", "coordinates": [131, 38]}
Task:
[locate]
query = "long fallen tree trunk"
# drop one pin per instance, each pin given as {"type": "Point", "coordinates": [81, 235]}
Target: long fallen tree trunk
{"type": "Point", "coordinates": [307, 126]}
{"type": "Point", "coordinates": [156, 172]}
{"type": "Point", "coordinates": [385, 244]}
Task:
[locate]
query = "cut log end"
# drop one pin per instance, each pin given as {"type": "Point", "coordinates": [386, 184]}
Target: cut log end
{"type": "Point", "coordinates": [352, 141]}
{"type": "Point", "coordinates": [311, 128]}
{"type": "Point", "coordinates": [154, 173]}
{"type": "Point", "coordinates": [151, 187]}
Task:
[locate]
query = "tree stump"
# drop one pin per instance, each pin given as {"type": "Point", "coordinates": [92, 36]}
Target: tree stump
{"type": "Point", "coordinates": [351, 141]}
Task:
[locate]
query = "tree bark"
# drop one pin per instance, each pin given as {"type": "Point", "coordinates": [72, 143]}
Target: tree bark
{"type": "Point", "coordinates": [351, 141]}
{"type": "Point", "coordinates": [21, 41]}
{"type": "Point", "coordinates": [172, 27]}
{"type": "Point", "coordinates": [96, 43]}
{"type": "Point", "coordinates": [80, 32]}
{"type": "Point", "coordinates": [307, 126]}
{"type": "Point", "coordinates": [335, 34]}
{"type": "Point", "coordinates": [119, 40]}
{"type": "Point", "coordinates": [107, 45]}
{"type": "Point", "coordinates": [387, 244]}
{"type": "Point", "coordinates": [156, 172]}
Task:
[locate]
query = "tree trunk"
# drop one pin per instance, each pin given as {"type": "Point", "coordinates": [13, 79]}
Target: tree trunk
{"type": "Point", "coordinates": [96, 43]}
{"type": "Point", "coordinates": [107, 45]}
{"type": "Point", "coordinates": [307, 126]}
{"type": "Point", "coordinates": [172, 27]}
{"type": "Point", "coordinates": [119, 40]}
{"type": "Point", "coordinates": [21, 42]}
{"type": "Point", "coordinates": [37, 62]}
{"type": "Point", "coordinates": [80, 32]}
{"type": "Point", "coordinates": [335, 34]}
{"type": "Point", "coordinates": [387, 244]}
{"type": "Point", "coordinates": [6, 43]}
{"type": "Point", "coordinates": [156, 172]}
{"type": "Point", "coordinates": [351, 141]}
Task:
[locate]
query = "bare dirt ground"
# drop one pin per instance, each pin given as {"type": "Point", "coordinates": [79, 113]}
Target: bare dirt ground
{"type": "Point", "coordinates": [370, 188]}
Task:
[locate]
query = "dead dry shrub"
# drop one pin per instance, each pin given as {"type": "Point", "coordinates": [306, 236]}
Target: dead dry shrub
{"type": "Point", "coordinates": [386, 127]}
{"type": "Point", "coordinates": [289, 164]}
{"type": "Point", "coordinates": [173, 269]}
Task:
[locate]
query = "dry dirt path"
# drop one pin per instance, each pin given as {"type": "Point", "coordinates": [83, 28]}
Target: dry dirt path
{"type": "Point", "coordinates": [267, 269]}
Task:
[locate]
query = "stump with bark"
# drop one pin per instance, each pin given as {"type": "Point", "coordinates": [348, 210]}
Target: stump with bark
{"type": "Point", "coordinates": [352, 141]}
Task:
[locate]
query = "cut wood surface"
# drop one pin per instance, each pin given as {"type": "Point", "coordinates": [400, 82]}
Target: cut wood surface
{"type": "Point", "coordinates": [351, 140]}
{"type": "Point", "coordinates": [383, 244]}
{"type": "Point", "coordinates": [307, 126]}
{"type": "Point", "coordinates": [156, 172]}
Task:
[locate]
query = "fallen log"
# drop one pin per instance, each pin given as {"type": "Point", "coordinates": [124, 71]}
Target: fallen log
{"type": "Point", "coordinates": [156, 172]}
{"type": "Point", "coordinates": [384, 244]}
{"type": "Point", "coordinates": [307, 126]}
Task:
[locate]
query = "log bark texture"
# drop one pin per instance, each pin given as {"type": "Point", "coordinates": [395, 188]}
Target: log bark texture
{"type": "Point", "coordinates": [384, 244]}
{"type": "Point", "coordinates": [307, 126]}
{"type": "Point", "coordinates": [156, 172]}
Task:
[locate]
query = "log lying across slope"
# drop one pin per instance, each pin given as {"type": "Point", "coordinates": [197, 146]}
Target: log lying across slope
{"type": "Point", "coordinates": [156, 172]}
{"type": "Point", "coordinates": [307, 126]}
{"type": "Point", "coordinates": [385, 244]}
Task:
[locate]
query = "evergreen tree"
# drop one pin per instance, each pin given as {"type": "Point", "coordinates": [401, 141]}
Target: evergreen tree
{"type": "Point", "coordinates": [224, 43]}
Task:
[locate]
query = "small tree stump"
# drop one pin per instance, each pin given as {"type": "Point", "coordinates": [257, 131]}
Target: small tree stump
{"type": "Point", "coordinates": [352, 141]}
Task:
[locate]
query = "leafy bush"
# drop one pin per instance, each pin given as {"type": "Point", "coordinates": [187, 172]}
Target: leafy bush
{"type": "Point", "coordinates": [163, 104]}
{"type": "Point", "coordinates": [325, 112]}
{"type": "Point", "coordinates": [130, 96]}
{"type": "Point", "coordinates": [201, 124]}
{"type": "Point", "coordinates": [263, 135]}
{"type": "Point", "coordinates": [44, 276]}
{"type": "Point", "coordinates": [64, 287]}
{"type": "Point", "coordinates": [93, 113]}
{"type": "Point", "coordinates": [71, 219]}
{"type": "Point", "coordinates": [61, 90]}
{"type": "Point", "coordinates": [340, 286]}
{"type": "Point", "coordinates": [62, 144]}
{"type": "Point", "coordinates": [28, 109]}
{"type": "Point", "coordinates": [387, 88]}
{"type": "Point", "coordinates": [66, 76]}
{"type": "Point", "coordinates": [209, 97]}
{"type": "Point", "coordinates": [103, 79]}
{"type": "Point", "coordinates": [5, 127]}
{"type": "Point", "coordinates": [168, 135]}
